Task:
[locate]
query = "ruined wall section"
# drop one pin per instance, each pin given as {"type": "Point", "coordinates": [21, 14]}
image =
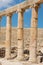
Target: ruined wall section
{"type": "Point", "coordinates": [26, 37]}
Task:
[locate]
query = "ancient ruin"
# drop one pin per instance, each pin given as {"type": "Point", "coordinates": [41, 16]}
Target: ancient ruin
{"type": "Point", "coordinates": [34, 56]}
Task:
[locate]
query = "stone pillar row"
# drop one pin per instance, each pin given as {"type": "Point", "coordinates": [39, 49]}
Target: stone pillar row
{"type": "Point", "coordinates": [33, 35]}
{"type": "Point", "coordinates": [19, 36]}
{"type": "Point", "coordinates": [20, 41]}
{"type": "Point", "coordinates": [8, 37]}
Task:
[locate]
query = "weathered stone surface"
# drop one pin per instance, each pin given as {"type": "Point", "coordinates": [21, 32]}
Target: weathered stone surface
{"type": "Point", "coordinates": [33, 35]}
{"type": "Point", "coordinates": [26, 37]}
{"type": "Point", "coordinates": [8, 37]}
{"type": "Point", "coordinates": [20, 41]}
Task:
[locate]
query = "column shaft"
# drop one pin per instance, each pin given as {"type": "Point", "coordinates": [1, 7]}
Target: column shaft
{"type": "Point", "coordinates": [8, 37]}
{"type": "Point", "coordinates": [20, 35]}
{"type": "Point", "coordinates": [33, 34]}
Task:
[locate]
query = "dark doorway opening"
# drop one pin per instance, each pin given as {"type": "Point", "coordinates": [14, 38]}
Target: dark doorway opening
{"type": "Point", "coordinates": [41, 56]}
{"type": "Point", "coordinates": [26, 54]}
{"type": "Point", "coordinates": [41, 60]}
{"type": "Point", "coordinates": [2, 52]}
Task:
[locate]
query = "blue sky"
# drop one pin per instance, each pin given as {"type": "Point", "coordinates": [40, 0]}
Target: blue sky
{"type": "Point", "coordinates": [4, 4]}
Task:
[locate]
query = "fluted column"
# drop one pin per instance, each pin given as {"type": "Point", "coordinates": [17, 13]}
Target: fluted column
{"type": "Point", "coordinates": [20, 35]}
{"type": "Point", "coordinates": [8, 37]}
{"type": "Point", "coordinates": [33, 34]}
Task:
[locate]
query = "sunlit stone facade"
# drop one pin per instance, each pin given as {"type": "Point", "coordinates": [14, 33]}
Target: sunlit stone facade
{"type": "Point", "coordinates": [27, 41]}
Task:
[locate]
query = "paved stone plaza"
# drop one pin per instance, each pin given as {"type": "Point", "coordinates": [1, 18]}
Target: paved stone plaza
{"type": "Point", "coordinates": [7, 62]}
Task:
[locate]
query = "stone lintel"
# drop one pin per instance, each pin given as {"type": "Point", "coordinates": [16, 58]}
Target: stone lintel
{"type": "Point", "coordinates": [25, 5]}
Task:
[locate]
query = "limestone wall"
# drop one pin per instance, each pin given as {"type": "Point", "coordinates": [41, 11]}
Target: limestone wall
{"type": "Point", "coordinates": [26, 37]}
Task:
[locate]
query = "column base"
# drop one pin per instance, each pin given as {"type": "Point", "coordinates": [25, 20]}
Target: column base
{"type": "Point", "coordinates": [32, 61]}
{"type": "Point", "coordinates": [20, 59]}
{"type": "Point", "coordinates": [8, 58]}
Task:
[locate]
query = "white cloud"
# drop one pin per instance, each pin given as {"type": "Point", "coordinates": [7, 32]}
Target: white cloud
{"type": "Point", "coordinates": [8, 3]}
{"type": "Point", "coordinates": [5, 3]}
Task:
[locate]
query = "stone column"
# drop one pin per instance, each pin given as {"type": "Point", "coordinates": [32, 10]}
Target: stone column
{"type": "Point", "coordinates": [33, 34]}
{"type": "Point", "coordinates": [8, 37]}
{"type": "Point", "coordinates": [20, 35]}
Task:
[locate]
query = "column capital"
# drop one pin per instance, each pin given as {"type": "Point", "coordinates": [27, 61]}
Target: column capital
{"type": "Point", "coordinates": [20, 10]}
{"type": "Point", "coordinates": [10, 14]}
{"type": "Point", "coordinates": [35, 5]}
